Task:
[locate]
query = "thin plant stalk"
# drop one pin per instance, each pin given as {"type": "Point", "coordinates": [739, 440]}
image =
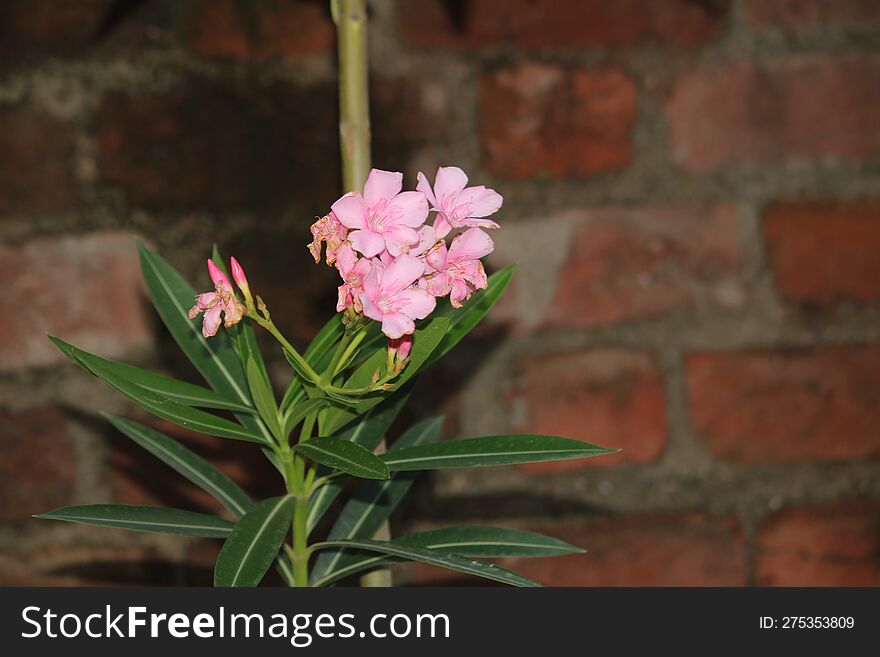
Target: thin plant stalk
{"type": "Point", "coordinates": [354, 140]}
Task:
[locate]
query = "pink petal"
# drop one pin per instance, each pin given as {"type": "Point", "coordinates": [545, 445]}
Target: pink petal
{"type": "Point", "coordinates": [437, 257]}
{"type": "Point", "coordinates": [396, 325]}
{"type": "Point", "coordinates": [206, 300]}
{"type": "Point", "coordinates": [342, 297]}
{"type": "Point", "coordinates": [345, 259]}
{"type": "Point", "coordinates": [427, 239]}
{"type": "Point", "coordinates": [479, 223]}
{"type": "Point", "coordinates": [351, 210]}
{"type": "Point", "coordinates": [367, 242]}
{"type": "Point", "coordinates": [459, 292]}
{"type": "Point", "coordinates": [218, 277]}
{"type": "Point", "coordinates": [437, 285]}
{"type": "Point", "coordinates": [448, 184]}
{"type": "Point", "coordinates": [442, 227]}
{"type": "Point", "coordinates": [472, 244]}
{"type": "Point", "coordinates": [211, 322]}
{"type": "Point", "coordinates": [424, 187]}
{"type": "Point", "coordinates": [483, 201]}
{"type": "Point", "coordinates": [401, 273]}
{"type": "Point", "coordinates": [382, 185]}
{"type": "Point", "coordinates": [413, 208]}
{"type": "Point", "coordinates": [419, 303]}
{"type": "Point", "coordinates": [400, 239]}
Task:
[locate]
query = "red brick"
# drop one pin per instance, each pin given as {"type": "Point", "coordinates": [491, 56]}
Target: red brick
{"type": "Point", "coordinates": [85, 289]}
{"type": "Point", "coordinates": [610, 397]}
{"type": "Point", "coordinates": [222, 147]}
{"type": "Point", "coordinates": [830, 545]}
{"type": "Point", "coordinates": [544, 119]}
{"type": "Point", "coordinates": [747, 113]}
{"type": "Point", "coordinates": [37, 464]}
{"type": "Point", "coordinates": [801, 15]}
{"type": "Point", "coordinates": [635, 263]}
{"type": "Point", "coordinates": [822, 253]}
{"type": "Point", "coordinates": [569, 24]}
{"type": "Point", "coordinates": [30, 29]}
{"type": "Point", "coordinates": [666, 550]}
{"type": "Point", "coordinates": [247, 30]}
{"type": "Point", "coordinates": [782, 405]}
{"type": "Point", "coordinates": [36, 162]}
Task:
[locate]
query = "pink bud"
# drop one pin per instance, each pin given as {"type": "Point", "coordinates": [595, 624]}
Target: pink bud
{"type": "Point", "coordinates": [238, 275]}
{"type": "Point", "coordinates": [401, 346]}
{"type": "Point", "coordinates": [218, 277]}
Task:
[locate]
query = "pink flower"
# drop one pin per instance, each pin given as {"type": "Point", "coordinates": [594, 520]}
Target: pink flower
{"type": "Point", "coordinates": [389, 296]}
{"type": "Point", "coordinates": [384, 217]}
{"type": "Point", "coordinates": [458, 271]}
{"type": "Point", "coordinates": [458, 206]}
{"type": "Point", "coordinates": [353, 271]}
{"type": "Point", "coordinates": [401, 347]}
{"type": "Point", "coordinates": [239, 278]}
{"type": "Point", "coordinates": [327, 229]}
{"type": "Point", "coordinates": [222, 299]}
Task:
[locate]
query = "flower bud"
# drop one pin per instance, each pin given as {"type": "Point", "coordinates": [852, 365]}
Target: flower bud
{"type": "Point", "coordinates": [241, 280]}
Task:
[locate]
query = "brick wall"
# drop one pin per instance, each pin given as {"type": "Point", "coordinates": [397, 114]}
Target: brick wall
{"type": "Point", "coordinates": [692, 192]}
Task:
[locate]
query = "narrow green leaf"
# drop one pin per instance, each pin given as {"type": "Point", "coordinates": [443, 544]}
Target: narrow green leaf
{"type": "Point", "coordinates": [322, 344]}
{"type": "Point", "coordinates": [467, 541]}
{"type": "Point", "coordinates": [490, 451]}
{"type": "Point", "coordinates": [297, 413]}
{"type": "Point", "coordinates": [264, 398]}
{"type": "Point", "coordinates": [472, 312]}
{"type": "Point", "coordinates": [344, 455]}
{"type": "Point", "coordinates": [216, 360]}
{"type": "Point", "coordinates": [184, 393]}
{"type": "Point", "coordinates": [254, 543]}
{"type": "Point", "coordinates": [162, 407]}
{"type": "Point", "coordinates": [433, 558]}
{"type": "Point", "coordinates": [143, 519]}
{"type": "Point", "coordinates": [367, 431]}
{"type": "Point", "coordinates": [187, 463]}
{"type": "Point", "coordinates": [373, 501]}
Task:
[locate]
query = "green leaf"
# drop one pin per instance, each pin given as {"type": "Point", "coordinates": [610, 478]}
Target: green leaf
{"type": "Point", "coordinates": [187, 394]}
{"type": "Point", "coordinates": [367, 431]}
{"type": "Point", "coordinates": [162, 407]}
{"type": "Point", "coordinates": [467, 541]}
{"type": "Point", "coordinates": [254, 543]}
{"type": "Point", "coordinates": [322, 344]}
{"type": "Point", "coordinates": [343, 455]}
{"type": "Point", "coordinates": [297, 413]}
{"type": "Point", "coordinates": [187, 463]}
{"type": "Point", "coordinates": [433, 558]}
{"type": "Point", "coordinates": [264, 398]}
{"type": "Point", "coordinates": [216, 360]}
{"type": "Point", "coordinates": [490, 451]}
{"type": "Point", "coordinates": [472, 312]}
{"type": "Point", "coordinates": [144, 519]}
{"type": "Point", "coordinates": [373, 501]}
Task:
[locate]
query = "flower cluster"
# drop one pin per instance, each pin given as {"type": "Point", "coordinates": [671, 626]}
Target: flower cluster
{"type": "Point", "coordinates": [394, 264]}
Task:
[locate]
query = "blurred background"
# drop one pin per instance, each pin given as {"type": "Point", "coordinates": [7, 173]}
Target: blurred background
{"type": "Point", "coordinates": [692, 193]}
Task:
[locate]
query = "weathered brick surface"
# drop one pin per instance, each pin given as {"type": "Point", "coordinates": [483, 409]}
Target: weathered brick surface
{"type": "Point", "coordinates": [802, 15]}
{"type": "Point", "coordinates": [823, 252]}
{"type": "Point", "coordinates": [31, 29]}
{"type": "Point", "coordinates": [221, 147]}
{"type": "Point", "coordinates": [781, 405]}
{"type": "Point", "coordinates": [36, 162]}
{"type": "Point", "coordinates": [828, 545]}
{"type": "Point", "coordinates": [545, 119]}
{"type": "Point", "coordinates": [279, 28]}
{"type": "Point", "coordinates": [635, 263]}
{"type": "Point", "coordinates": [611, 397]}
{"type": "Point", "coordinates": [85, 289]}
{"type": "Point", "coordinates": [37, 463]}
{"type": "Point", "coordinates": [565, 24]}
{"type": "Point", "coordinates": [666, 550]}
{"type": "Point", "coordinates": [803, 107]}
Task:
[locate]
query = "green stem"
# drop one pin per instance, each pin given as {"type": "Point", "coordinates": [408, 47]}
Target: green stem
{"type": "Point", "coordinates": [300, 553]}
{"type": "Point", "coordinates": [354, 106]}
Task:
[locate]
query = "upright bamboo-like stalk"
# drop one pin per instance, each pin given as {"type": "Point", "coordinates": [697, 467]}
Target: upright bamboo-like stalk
{"type": "Point", "coordinates": [350, 17]}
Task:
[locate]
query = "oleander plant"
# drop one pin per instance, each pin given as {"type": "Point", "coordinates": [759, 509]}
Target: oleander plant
{"type": "Point", "coordinates": [413, 286]}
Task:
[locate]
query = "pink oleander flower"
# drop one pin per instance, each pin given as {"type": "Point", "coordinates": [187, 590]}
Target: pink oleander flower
{"type": "Point", "coordinates": [458, 271]}
{"type": "Point", "coordinates": [222, 299]}
{"type": "Point", "coordinates": [401, 347]}
{"type": "Point", "coordinates": [458, 206]}
{"type": "Point", "coordinates": [384, 218]}
{"type": "Point", "coordinates": [390, 297]}
{"type": "Point", "coordinates": [353, 271]}
{"type": "Point", "coordinates": [327, 230]}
